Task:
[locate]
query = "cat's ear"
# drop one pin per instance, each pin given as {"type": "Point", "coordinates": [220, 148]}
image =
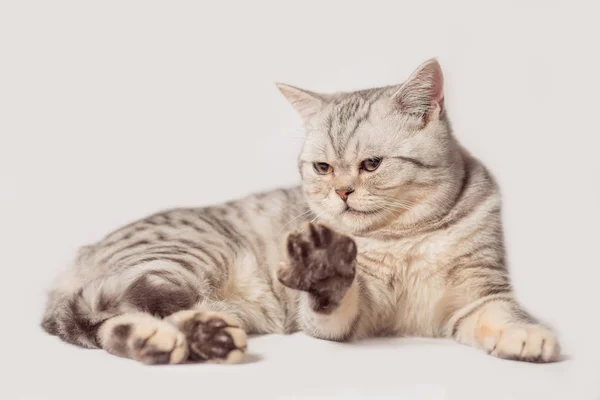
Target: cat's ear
{"type": "Point", "coordinates": [422, 95]}
{"type": "Point", "coordinates": [305, 102]}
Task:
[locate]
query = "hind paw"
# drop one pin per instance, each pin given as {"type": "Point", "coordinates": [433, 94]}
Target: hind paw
{"type": "Point", "coordinates": [211, 336]}
{"type": "Point", "coordinates": [144, 338]}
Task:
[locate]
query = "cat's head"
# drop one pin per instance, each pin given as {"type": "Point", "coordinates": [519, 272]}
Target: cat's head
{"type": "Point", "coordinates": [377, 156]}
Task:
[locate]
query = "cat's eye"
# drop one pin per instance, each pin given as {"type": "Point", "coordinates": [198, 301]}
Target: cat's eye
{"type": "Point", "coordinates": [322, 168]}
{"type": "Point", "coordinates": [370, 164]}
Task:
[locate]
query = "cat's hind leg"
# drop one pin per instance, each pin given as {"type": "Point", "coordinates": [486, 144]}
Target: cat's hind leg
{"type": "Point", "coordinates": [185, 335]}
{"type": "Point", "coordinates": [192, 333]}
{"type": "Point", "coordinates": [211, 336]}
{"type": "Point", "coordinates": [143, 338]}
{"type": "Point", "coordinates": [122, 313]}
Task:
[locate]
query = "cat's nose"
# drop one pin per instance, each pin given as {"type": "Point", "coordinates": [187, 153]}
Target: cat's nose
{"type": "Point", "coordinates": [344, 192]}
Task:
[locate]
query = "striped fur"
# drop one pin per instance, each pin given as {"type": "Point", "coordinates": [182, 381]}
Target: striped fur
{"type": "Point", "coordinates": [426, 225]}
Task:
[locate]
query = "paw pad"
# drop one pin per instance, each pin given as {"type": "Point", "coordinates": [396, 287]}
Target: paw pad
{"type": "Point", "coordinates": [211, 336]}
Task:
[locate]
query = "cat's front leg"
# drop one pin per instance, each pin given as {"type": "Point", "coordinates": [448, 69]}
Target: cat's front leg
{"type": "Point", "coordinates": [499, 326]}
{"type": "Point", "coordinates": [322, 266]}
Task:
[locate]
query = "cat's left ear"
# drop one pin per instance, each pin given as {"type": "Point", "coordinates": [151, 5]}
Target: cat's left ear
{"type": "Point", "coordinates": [305, 102]}
{"type": "Point", "coordinates": [422, 95]}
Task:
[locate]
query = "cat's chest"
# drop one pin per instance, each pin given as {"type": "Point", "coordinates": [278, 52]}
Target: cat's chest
{"type": "Point", "coordinates": [405, 260]}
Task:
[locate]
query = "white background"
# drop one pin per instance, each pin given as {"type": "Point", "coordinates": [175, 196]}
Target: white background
{"type": "Point", "coordinates": [110, 110]}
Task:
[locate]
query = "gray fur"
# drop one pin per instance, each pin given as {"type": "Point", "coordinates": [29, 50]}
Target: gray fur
{"type": "Point", "coordinates": [415, 249]}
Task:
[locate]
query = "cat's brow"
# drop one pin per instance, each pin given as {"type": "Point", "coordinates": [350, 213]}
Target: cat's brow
{"type": "Point", "coordinates": [416, 162]}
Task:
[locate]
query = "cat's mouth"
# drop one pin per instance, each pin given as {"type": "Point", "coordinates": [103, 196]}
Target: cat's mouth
{"type": "Point", "coordinates": [354, 211]}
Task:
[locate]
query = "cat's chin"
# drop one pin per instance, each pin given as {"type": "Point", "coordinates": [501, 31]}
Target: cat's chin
{"type": "Point", "coordinates": [352, 220]}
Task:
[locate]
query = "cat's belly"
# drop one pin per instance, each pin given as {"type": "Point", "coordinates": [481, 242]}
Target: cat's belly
{"type": "Point", "coordinates": [408, 287]}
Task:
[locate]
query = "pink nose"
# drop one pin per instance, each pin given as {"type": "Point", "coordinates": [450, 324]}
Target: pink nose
{"type": "Point", "coordinates": [344, 192]}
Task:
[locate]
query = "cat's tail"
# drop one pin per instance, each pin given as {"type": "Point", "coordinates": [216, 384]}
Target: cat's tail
{"type": "Point", "coordinates": [69, 314]}
{"type": "Point", "coordinates": [69, 317]}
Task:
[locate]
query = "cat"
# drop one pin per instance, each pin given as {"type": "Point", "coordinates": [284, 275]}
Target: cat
{"type": "Point", "coordinates": [395, 231]}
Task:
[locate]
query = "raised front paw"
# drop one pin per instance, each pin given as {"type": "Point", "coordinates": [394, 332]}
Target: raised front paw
{"type": "Point", "coordinates": [322, 263]}
{"type": "Point", "coordinates": [523, 342]}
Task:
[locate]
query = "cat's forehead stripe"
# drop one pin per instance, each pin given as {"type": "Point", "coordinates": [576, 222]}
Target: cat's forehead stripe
{"type": "Point", "coordinates": [345, 119]}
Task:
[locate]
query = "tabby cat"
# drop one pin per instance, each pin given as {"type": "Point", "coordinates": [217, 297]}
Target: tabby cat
{"type": "Point", "coordinates": [395, 231]}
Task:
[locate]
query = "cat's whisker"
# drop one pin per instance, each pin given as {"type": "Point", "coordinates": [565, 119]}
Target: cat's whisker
{"type": "Point", "coordinates": [302, 230]}
{"type": "Point", "coordinates": [293, 219]}
{"type": "Point", "coordinates": [400, 205]}
{"type": "Point", "coordinates": [395, 199]}
{"type": "Point", "coordinates": [393, 211]}
{"type": "Point", "coordinates": [317, 217]}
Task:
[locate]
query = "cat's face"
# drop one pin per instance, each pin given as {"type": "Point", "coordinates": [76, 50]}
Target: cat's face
{"type": "Point", "coordinates": [373, 156]}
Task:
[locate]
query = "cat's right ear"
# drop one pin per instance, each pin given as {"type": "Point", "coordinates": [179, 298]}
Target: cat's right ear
{"type": "Point", "coordinates": [306, 103]}
{"type": "Point", "coordinates": [422, 95]}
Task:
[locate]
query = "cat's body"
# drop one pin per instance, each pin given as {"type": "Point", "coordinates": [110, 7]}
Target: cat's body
{"type": "Point", "coordinates": [412, 246]}
{"type": "Point", "coordinates": [214, 254]}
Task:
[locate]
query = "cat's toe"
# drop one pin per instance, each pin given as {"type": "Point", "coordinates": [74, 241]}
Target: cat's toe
{"type": "Point", "coordinates": [211, 336]}
{"type": "Point", "coordinates": [299, 248]}
{"type": "Point", "coordinates": [319, 235]}
{"type": "Point", "coordinates": [293, 278]}
{"type": "Point", "coordinates": [145, 339]}
{"type": "Point", "coordinates": [524, 342]}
